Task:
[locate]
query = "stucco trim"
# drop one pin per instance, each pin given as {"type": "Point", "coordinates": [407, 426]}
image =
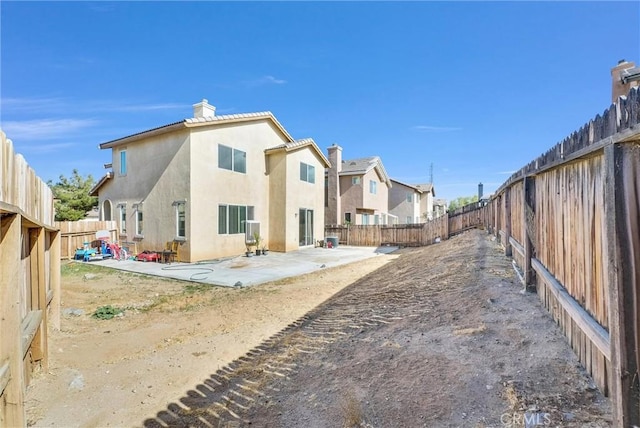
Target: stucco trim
{"type": "Point", "coordinates": [393, 180]}
{"type": "Point", "coordinates": [144, 134]}
{"type": "Point", "coordinates": [299, 145]}
{"type": "Point", "coordinates": [94, 190]}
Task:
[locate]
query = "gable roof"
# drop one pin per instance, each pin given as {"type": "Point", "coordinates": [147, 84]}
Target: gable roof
{"type": "Point", "coordinates": [427, 187]}
{"type": "Point", "coordinates": [199, 122]}
{"type": "Point", "coordinates": [300, 144]}
{"type": "Point", "coordinates": [364, 165]}
{"type": "Point", "coordinates": [407, 185]}
{"type": "Point", "coordinates": [100, 183]}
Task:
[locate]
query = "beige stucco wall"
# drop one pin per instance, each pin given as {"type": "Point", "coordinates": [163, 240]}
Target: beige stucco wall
{"type": "Point", "coordinates": [426, 205]}
{"type": "Point", "coordinates": [301, 194]}
{"type": "Point", "coordinates": [399, 206]}
{"type": "Point", "coordinates": [277, 167]}
{"type": "Point", "coordinates": [155, 177]}
{"type": "Point", "coordinates": [350, 197]}
{"type": "Point", "coordinates": [357, 196]}
{"type": "Point", "coordinates": [212, 186]}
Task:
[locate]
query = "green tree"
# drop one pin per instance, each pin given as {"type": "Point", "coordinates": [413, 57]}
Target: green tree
{"type": "Point", "coordinates": [72, 196]}
{"type": "Point", "coordinates": [462, 201]}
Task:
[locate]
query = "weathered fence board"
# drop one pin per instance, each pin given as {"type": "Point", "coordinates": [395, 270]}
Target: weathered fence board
{"type": "Point", "coordinates": [574, 222]}
{"type": "Point", "coordinates": [30, 279]}
{"type": "Point", "coordinates": [403, 235]}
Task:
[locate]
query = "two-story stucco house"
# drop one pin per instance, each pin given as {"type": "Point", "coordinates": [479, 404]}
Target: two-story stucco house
{"type": "Point", "coordinates": [202, 180]}
{"type": "Point", "coordinates": [357, 191]}
{"type": "Point", "coordinates": [428, 192]}
{"type": "Point", "coordinates": [405, 203]}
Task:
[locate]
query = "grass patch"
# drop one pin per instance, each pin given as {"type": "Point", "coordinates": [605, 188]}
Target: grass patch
{"type": "Point", "coordinates": [470, 331]}
{"type": "Point", "coordinates": [197, 288]}
{"type": "Point", "coordinates": [107, 312]}
{"type": "Point", "coordinates": [351, 412]}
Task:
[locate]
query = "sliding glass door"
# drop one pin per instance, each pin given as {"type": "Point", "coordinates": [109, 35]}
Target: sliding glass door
{"type": "Point", "coordinates": [306, 227]}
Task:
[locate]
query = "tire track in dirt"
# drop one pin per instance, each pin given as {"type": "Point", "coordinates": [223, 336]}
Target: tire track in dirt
{"type": "Point", "coordinates": [430, 338]}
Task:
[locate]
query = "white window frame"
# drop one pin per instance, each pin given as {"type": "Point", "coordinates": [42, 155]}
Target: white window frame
{"type": "Point", "coordinates": [123, 165]}
{"type": "Point", "coordinates": [249, 214]}
{"type": "Point", "coordinates": [409, 219]}
{"type": "Point", "coordinates": [356, 181]}
{"type": "Point", "coordinates": [139, 220]}
{"type": "Point", "coordinates": [234, 154]}
{"type": "Point", "coordinates": [307, 173]}
{"type": "Point", "coordinates": [409, 197]}
{"type": "Point", "coordinates": [373, 187]}
{"type": "Point", "coordinates": [177, 205]}
{"type": "Point", "coordinates": [365, 219]}
{"type": "Point", "coordinates": [122, 218]}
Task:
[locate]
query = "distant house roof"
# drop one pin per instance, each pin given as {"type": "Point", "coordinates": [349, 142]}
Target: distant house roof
{"type": "Point", "coordinates": [440, 202]}
{"type": "Point", "coordinates": [299, 144]}
{"type": "Point", "coordinates": [198, 122]}
{"type": "Point", "coordinates": [364, 165]}
{"type": "Point", "coordinates": [427, 187]}
{"type": "Point", "coordinates": [100, 183]}
{"type": "Point", "coordinates": [407, 185]}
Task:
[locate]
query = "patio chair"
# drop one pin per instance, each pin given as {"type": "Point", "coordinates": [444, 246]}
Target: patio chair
{"type": "Point", "coordinates": [170, 253]}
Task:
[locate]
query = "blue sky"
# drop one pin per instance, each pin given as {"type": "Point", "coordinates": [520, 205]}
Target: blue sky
{"type": "Point", "coordinates": [477, 89]}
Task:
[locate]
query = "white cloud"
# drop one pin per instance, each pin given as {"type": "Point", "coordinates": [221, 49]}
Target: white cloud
{"type": "Point", "coordinates": [45, 148]}
{"type": "Point", "coordinates": [136, 107]}
{"type": "Point", "coordinates": [429, 128]}
{"type": "Point", "coordinates": [265, 80]}
{"type": "Point", "coordinates": [55, 104]}
{"type": "Point", "coordinates": [32, 104]}
{"type": "Point", "coordinates": [44, 129]}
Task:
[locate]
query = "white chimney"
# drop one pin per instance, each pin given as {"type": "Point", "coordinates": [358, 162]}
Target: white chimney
{"type": "Point", "coordinates": [203, 109]}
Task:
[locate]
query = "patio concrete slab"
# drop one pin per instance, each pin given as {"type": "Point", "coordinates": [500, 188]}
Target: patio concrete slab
{"type": "Point", "coordinates": [244, 271]}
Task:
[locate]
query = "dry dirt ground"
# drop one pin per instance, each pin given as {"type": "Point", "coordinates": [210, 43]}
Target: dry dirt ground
{"type": "Point", "coordinates": [438, 337]}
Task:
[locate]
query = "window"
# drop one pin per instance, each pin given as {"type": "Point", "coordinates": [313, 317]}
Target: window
{"type": "Point", "coordinates": [138, 219]}
{"type": "Point", "coordinates": [355, 180]}
{"type": "Point", "coordinates": [373, 186]}
{"type": "Point", "coordinates": [232, 159]}
{"type": "Point", "coordinates": [180, 219]}
{"type": "Point", "coordinates": [123, 218]}
{"type": "Point", "coordinates": [376, 219]}
{"type": "Point", "coordinates": [365, 219]}
{"type": "Point", "coordinates": [409, 197]}
{"type": "Point", "coordinates": [409, 219]}
{"type": "Point", "coordinates": [347, 218]}
{"type": "Point", "coordinates": [232, 218]}
{"type": "Point", "coordinates": [123, 162]}
{"type": "Point", "coordinates": [307, 173]}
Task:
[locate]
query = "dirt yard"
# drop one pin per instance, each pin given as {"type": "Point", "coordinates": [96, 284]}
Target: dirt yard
{"type": "Point", "coordinates": [437, 337]}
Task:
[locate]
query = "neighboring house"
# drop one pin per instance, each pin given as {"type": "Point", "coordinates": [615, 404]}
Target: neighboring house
{"type": "Point", "coordinates": [426, 201]}
{"type": "Point", "coordinates": [203, 181]}
{"type": "Point", "coordinates": [439, 207]}
{"type": "Point", "coordinates": [357, 191]}
{"type": "Point", "coordinates": [404, 203]}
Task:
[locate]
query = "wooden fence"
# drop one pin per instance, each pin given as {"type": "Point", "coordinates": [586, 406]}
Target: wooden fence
{"type": "Point", "coordinates": [411, 235]}
{"type": "Point", "coordinates": [73, 234]}
{"type": "Point", "coordinates": [571, 221]}
{"type": "Point", "coordinates": [29, 282]}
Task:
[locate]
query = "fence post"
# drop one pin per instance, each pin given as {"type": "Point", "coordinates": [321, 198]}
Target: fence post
{"type": "Point", "coordinates": [446, 226]}
{"type": "Point", "coordinates": [529, 229]}
{"type": "Point", "coordinates": [507, 222]}
{"type": "Point", "coordinates": [622, 271]}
